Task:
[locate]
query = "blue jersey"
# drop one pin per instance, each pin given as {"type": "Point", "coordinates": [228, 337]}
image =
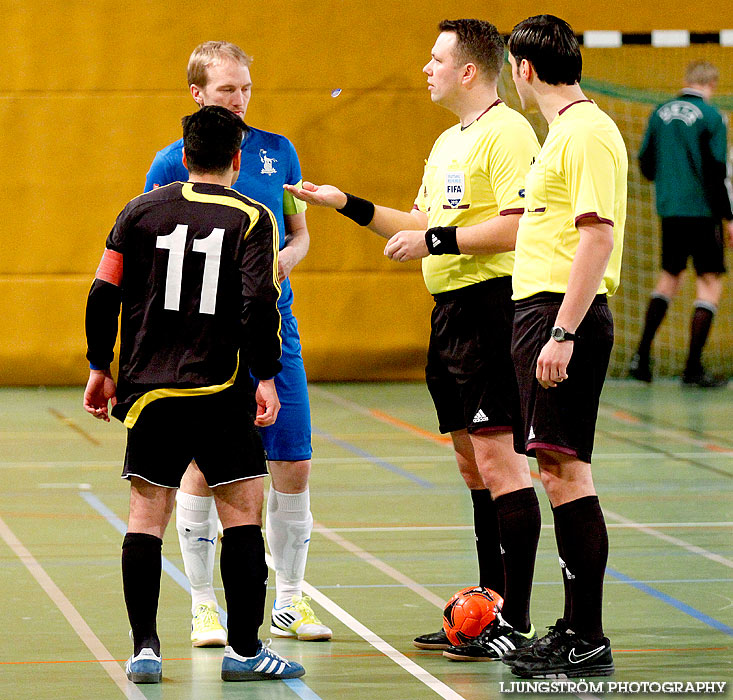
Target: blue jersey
{"type": "Point", "coordinates": [269, 161]}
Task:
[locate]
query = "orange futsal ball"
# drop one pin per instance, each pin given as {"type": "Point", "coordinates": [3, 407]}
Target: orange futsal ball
{"type": "Point", "coordinates": [468, 612]}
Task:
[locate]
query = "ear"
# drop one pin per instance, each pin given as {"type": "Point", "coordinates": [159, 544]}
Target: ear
{"type": "Point", "coordinates": [185, 164]}
{"type": "Point", "coordinates": [237, 161]}
{"type": "Point", "coordinates": [526, 70]}
{"type": "Point", "coordinates": [197, 95]}
{"type": "Point", "coordinates": [470, 71]}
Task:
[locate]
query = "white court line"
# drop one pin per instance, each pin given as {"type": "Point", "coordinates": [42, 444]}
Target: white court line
{"type": "Point", "coordinates": [379, 644]}
{"type": "Point", "coordinates": [671, 433]}
{"type": "Point", "coordinates": [610, 413]}
{"type": "Point", "coordinates": [546, 526]}
{"type": "Point", "coordinates": [396, 459]}
{"type": "Point", "coordinates": [364, 632]}
{"type": "Point", "coordinates": [77, 622]}
{"type": "Point", "coordinates": [380, 565]}
{"type": "Point", "coordinates": [646, 529]}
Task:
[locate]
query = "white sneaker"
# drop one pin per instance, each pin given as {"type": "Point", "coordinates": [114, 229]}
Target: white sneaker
{"type": "Point", "coordinates": [298, 620]}
{"type": "Point", "coordinates": [206, 630]}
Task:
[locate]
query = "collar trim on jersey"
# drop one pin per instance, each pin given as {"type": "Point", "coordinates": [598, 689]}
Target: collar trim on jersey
{"type": "Point", "coordinates": [567, 107]}
{"type": "Point", "coordinates": [493, 104]}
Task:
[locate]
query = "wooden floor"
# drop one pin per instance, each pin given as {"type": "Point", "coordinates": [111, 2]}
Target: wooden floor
{"type": "Point", "coordinates": [392, 542]}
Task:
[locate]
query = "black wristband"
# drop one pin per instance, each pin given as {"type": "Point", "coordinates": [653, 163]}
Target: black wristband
{"type": "Point", "coordinates": [357, 209]}
{"type": "Point", "coordinates": [441, 240]}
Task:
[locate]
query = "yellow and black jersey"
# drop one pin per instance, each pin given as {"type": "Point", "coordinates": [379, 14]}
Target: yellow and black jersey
{"type": "Point", "coordinates": [474, 174]}
{"type": "Point", "coordinates": [194, 268]}
{"type": "Point", "coordinates": [580, 173]}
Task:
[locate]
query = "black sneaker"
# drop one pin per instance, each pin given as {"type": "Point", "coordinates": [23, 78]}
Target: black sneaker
{"type": "Point", "coordinates": [565, 656]}
{"type": "Point", "coordinates": [553, 631]}
{"type": "Point", "coordinates": [640, 368]}
{"type": "Point", "coordinates": [703, 380]}
{"type": "Point", "coordinates": [436, 641]}
{"type": "Point", "coordinates": [497, 638]}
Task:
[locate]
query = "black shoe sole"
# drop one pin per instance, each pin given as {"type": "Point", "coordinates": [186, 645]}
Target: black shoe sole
{"type": "Point", "coordinates": [580, 672]}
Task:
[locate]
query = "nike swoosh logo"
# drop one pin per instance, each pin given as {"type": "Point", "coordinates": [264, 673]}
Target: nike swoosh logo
{"type": "Point", "coordinates": [574, 658]}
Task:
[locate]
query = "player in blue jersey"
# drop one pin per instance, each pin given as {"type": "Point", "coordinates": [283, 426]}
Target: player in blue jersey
{"type": "Point", "coordinates": [218, 74]}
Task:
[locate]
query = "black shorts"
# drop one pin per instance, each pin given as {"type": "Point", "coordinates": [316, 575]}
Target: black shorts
{"type": "Point", "coordinates": [699, 237]}
{"type": "Point", "coordinates": [562, 418]}
{"type": "Point", "coordinates": [469, 371]}
{"type": "Point", "coordinates": [216, 430]}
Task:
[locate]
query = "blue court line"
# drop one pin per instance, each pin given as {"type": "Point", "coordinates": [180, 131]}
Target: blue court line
{"type": "Point", "coordinates": [295, 684]}
{"type": "Point", "coordinates": [374, 459]}
{"type": "Point", "coordinates": [683, 607]}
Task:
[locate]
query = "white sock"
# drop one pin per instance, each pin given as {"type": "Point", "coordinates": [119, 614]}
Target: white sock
{"type": "Point", "coordinates": [288, 529]}
{"type": "Point", "coordinates": [197, 528]}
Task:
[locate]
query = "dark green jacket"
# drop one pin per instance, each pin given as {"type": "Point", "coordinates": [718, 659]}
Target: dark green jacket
{"type": "Point", "coordinates": [684, 153]}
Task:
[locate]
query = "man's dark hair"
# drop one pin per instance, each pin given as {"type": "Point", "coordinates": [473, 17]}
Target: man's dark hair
{"type": "Point", "coordinates": [211, 138]}
{"type": "Point", "coordinates": [550, 45]}
{"type": "Point", "coordinates": [477, 42]}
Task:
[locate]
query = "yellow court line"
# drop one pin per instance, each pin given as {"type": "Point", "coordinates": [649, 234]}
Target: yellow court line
{"type": "Point", "coordinates": [77, 622]}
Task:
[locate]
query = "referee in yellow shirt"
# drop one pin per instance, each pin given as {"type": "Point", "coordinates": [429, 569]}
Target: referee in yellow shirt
{"type": "Point", "coordinates": [568, 260]}
{"type": "Point", "coordinates": [470, 201]}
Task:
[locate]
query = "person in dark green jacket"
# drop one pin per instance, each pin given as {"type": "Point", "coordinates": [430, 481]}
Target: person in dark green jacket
{"type": "Point", "coordinates": [684, 153]}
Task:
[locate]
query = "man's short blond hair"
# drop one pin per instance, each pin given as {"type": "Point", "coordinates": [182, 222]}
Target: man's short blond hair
{"type": "Point", "coordinates": [211, 53]}
{"type": "Point", "coordinates": [701, 73]}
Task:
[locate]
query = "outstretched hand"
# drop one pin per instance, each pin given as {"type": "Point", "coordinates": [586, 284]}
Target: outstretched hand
{"type": "Point", "coordinates": [318, 195]}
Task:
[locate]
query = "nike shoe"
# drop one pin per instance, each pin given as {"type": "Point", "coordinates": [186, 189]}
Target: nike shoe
{"type": "Point", "coordinates": [298, 620]}
{"type": "Point", "coordinates": [565, 656]}
{"type": "Point", "coordinates": [265, 665]}
{"type": "Point", "coordinates": [206, 630]}
{"type": "Point", "coordinates": [553, 630]}
{"type": "Point", "coordinates": [640, 368]}
{"type": "Point", "coordinates": [146, 667]}
{"type": "Point", "coordinates": [497, 638]}
{"type": "Point", "coordinates": [436, 641]}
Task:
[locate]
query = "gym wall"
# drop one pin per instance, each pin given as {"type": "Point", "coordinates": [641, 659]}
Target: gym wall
{"type": "Point", "coordinates": [93, 90]}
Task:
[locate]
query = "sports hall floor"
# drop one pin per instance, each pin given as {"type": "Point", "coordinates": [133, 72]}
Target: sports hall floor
{"type": "Point", "coordinates": [391, 544]}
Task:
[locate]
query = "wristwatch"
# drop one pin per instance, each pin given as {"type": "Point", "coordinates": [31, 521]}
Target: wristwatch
{"type": "Point", "coordinates": [559, 334]}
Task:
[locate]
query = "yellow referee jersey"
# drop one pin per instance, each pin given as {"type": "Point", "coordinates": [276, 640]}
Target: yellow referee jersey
{"type": "Point", "coordinates": [474, 174]}
{"type": "Point", "coordinates": [581, 170]}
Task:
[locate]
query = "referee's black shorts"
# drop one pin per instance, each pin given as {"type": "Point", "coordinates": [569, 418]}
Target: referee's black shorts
{"type": "Point", "coordinates": [469, 371]}
{"type": "Point", "coordinates": [692, 236]}
{"type": "Point", "coordinates": [562, 418]}
{"type": "Point", "coordinates": [217, 430]}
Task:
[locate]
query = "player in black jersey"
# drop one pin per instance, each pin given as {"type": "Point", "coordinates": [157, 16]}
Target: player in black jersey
{"type": "Point", "coordinates": [193, 267]}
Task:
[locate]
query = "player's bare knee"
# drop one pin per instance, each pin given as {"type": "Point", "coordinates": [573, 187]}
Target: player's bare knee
{"type": "Point", "coordinates": [290, 477]}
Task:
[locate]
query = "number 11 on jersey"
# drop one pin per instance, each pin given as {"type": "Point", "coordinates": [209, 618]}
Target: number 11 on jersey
{"type": "Point", "coordinates": [210, 246]}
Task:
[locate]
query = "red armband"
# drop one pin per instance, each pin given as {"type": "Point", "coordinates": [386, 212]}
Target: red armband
{"type": "Point", "coordinates": [110, 267]}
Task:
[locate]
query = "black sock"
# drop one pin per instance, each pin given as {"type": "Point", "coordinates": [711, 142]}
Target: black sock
{"type": "Point", "coordinates": [488, 547]}
{"type": "Point", "coordinates": [518, 514]}
{"type": "Point", "coordinates": [567, 611]}
{"type": "Point", "coordinates": [702, 319]}
{"type": "Point", "coordinates": [141, 566]}
{"type": "Point", "coordinates": [585, 544]}
{"type": "Point", "coordinates": [655, 314]}
{"type": "Point", "coordinates": [244, 575]}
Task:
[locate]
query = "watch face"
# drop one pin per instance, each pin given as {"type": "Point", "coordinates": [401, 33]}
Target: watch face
{"type": "Point", "coordinates": [558, 333]}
